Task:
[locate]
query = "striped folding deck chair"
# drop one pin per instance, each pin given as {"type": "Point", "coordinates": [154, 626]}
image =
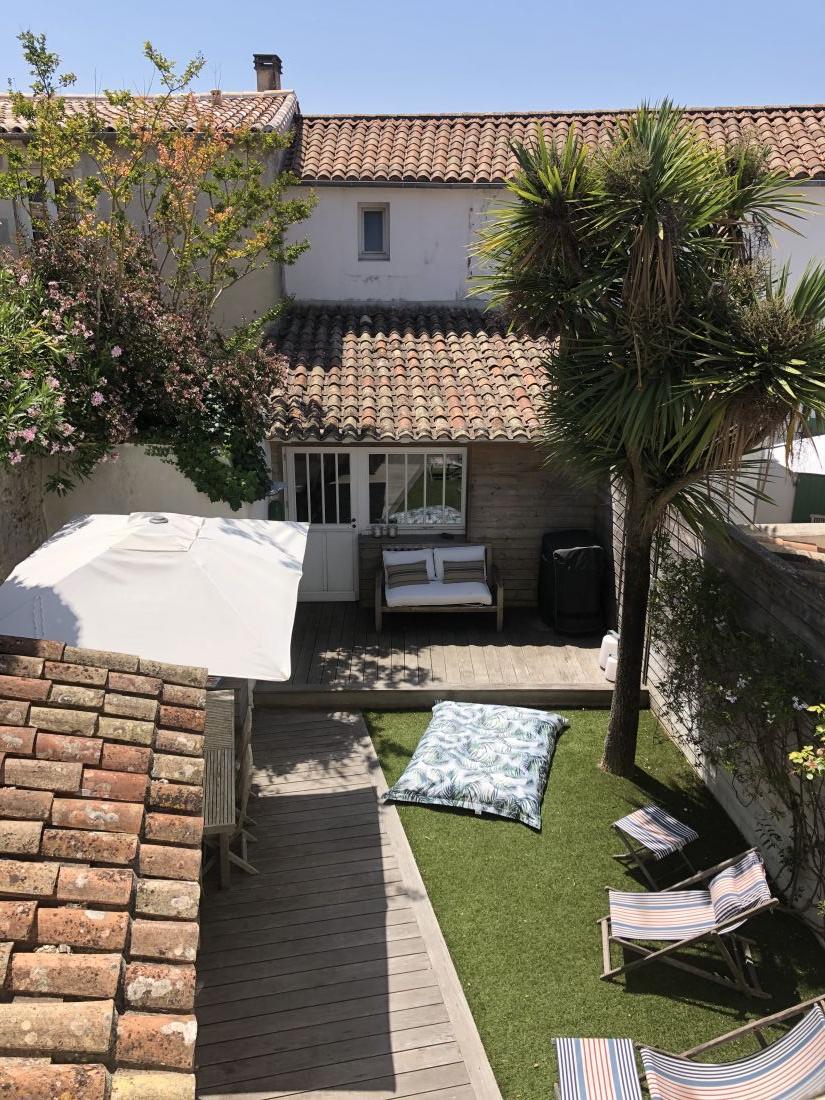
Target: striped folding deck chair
{"type": "Point", "coordinates": [792, 1068]}
{"type": "Point", "coordinates": [651, 833]}
{"type": "Point", "coordinates": [597, 1069]}
{"type": "Point", "coordinates": [721, 900]}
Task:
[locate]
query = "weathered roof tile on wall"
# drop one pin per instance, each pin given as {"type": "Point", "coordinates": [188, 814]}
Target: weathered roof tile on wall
{"type": "Point", "coordinates": [71, 793]}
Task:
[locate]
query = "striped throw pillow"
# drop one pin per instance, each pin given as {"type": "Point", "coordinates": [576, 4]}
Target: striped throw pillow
{"type": "Point", "coordinates": [458, 571]}
{"type": "Point", "coordinates": [410, 572]}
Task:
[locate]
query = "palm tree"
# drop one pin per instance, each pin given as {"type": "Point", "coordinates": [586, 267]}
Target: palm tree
{"type": "Point", "coordinates": [677, 350]}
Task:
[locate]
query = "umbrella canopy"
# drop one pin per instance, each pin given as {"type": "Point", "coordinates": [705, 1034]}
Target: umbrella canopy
{"type": "Point", "coordinates": [219, 593]}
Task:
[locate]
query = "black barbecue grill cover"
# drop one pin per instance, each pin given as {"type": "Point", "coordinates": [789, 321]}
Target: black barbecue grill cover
{"type": "Point", "coordinates": [571, 581]}
{"type": "Point", "coordinates": [579, 583]}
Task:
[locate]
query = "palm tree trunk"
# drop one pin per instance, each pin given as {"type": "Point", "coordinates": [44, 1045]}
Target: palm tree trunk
{"type": "Point", "coordinates": [620, 745]}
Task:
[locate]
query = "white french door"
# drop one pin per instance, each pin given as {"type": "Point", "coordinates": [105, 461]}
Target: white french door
{"type": "Point", "coordinates": [321, 488]}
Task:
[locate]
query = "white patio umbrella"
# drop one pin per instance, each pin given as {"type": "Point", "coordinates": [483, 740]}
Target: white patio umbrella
{"type": "Point", "coordinates": [218, 593]}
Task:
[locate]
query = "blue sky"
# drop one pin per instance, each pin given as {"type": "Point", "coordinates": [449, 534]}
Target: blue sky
{"type": "Point", "coordinates": [452, 55]}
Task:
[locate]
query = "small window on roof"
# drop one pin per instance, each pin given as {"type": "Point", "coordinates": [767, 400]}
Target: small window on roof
{"type": "Point", "coordinates": [373, 231]}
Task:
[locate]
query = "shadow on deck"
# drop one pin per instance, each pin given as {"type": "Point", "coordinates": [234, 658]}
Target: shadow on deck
{"type": "Point", "coordinates": [325, 976]}
{"type": "Point", "coordinates": [337, 657]}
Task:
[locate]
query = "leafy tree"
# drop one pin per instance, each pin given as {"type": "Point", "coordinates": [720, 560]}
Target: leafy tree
{"type": "Point", "coordinates": [678, 350]}
{"type": "Point", "coordinates": [134, 215]}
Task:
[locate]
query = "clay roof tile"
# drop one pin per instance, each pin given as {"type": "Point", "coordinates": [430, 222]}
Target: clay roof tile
{"type": "Point", "coordinates": [72, 804]}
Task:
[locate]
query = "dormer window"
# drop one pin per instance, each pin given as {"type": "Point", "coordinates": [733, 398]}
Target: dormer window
{"type": "Point", "coordinates": [373, 231]}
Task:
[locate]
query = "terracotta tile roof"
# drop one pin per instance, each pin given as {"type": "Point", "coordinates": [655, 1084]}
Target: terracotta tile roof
{"type": "Point", "coordinates": [476, 149]}
{"type": "Point", "coordinates": [270, 111]}
{"type": "Point", "coordinates": [99, 891]}
{"type": "Point", "coordinates": [411, 372]}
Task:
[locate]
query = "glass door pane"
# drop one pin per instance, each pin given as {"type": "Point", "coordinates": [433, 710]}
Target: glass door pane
{"type": "Point", "coordinates": [316, 501]}
{"type": "Point", "coordinates": [301, 487]}
{"type": "Point", "coordinates": [453, 480]}
{"type": "Point", "coordinates": [323, 489]}
{"type": "Point", "coordinates": [330, 489]}
{"type": "Point", "coordinates": [344, 489]}
{"type": "Point", "coordinates": [378, 487]}
{"type": "Point", "coordinates": [396, 484]}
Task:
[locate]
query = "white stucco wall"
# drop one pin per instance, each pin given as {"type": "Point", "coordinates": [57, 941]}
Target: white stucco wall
{"type": "Point", "coordinates": [807, 244]}
{"type": "Point", "coordinates": [138, 482]}
{"type": "Point", "coordinates": [430, 232]}
{"type": "Point", "coordinates": [778, 484]}
{"type": "Point", "coordinates": [243, 302]}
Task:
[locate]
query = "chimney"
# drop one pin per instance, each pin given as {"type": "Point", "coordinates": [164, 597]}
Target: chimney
{"type": "Point", "coordinates": [267, 71]}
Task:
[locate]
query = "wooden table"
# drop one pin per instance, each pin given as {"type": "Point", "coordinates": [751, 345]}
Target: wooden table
{"type": "Point", "coordinates": [219, 818]}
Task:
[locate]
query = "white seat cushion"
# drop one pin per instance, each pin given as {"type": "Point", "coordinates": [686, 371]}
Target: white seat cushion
{"type": "Point", "coordinates": [438, 594]}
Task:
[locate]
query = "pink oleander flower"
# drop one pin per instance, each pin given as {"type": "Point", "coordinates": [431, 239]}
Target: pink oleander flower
{"type": "Point", "coordinates": [52, 383]}
{"type": "Point", "coordinates": [117, 351]}
{"type": "Point", "coordinates": [15, 457]}
{"type": "Point", "coordinates": [97, 398]}
{"type": "Point", "coordinates": [28, 434]}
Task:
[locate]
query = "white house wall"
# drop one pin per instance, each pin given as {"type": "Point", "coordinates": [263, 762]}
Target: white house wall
{"type": "Point", "coordinates": [430, 231]}
{"type": "Point", "coordinates": [245, 301]}
{"type": "Point", "coordinates": [807, 244]}
{"type": "Point", "coordinates": [138, 482]}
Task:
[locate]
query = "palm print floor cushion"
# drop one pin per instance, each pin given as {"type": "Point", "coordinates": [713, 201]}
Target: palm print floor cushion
{"type": "Point", "coordinates": [487, 758]}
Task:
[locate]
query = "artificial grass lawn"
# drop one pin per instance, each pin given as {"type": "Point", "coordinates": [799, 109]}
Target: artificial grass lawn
{"type": "Point", "coordinates": [519, 909]}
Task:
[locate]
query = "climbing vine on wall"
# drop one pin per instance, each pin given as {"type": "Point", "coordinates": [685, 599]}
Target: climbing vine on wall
{"type": "Point", "coordinates": [746, 700]}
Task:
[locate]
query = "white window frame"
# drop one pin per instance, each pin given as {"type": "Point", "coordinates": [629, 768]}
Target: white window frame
{"type": "Point", "coordinates": [360, 484]}
{"type": "Point", "coordinates": [456, 528]}
{"type": "Point", "coordinates": [363, 208]}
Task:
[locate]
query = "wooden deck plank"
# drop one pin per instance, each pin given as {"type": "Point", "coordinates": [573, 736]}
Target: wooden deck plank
{"type": "Point", "coordinates": [340, 1051]}
{"type": "Point", "coordinates": [418, 659]}
{"type": "Point", "coordinates": [438, 665]}
{"type": "Point", "coordinates": [326, 975]}
{"type": "Point", "coordinates": [384, 952]}
{"type": "Point", "coordinates": [351, 1072]}
{"type": "Point", "coordinates": [313, 1035]}
{"type": "Point", "coordinates": [314, 978]}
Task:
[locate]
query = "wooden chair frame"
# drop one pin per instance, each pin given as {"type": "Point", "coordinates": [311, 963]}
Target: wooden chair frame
{"type": "Point", "coordinates": [756, 1027]}
{"type": "Point", "coordinates": [732, 949]}
{"type": "Point", "coordinates": [494, 583]}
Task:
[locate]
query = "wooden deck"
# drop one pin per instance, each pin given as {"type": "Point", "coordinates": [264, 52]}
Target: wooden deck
{"type": "Point", "coordinates": [337, 657]}
{"type": "Point", "coordinates": [326, 976]}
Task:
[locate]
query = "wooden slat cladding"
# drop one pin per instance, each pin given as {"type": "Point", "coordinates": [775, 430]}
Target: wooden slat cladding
{"type": "Point", "coordinates": [512, 499]}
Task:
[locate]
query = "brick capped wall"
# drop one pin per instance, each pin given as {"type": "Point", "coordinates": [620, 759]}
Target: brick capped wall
{"type": "Point", "coordinates": [100, 835]}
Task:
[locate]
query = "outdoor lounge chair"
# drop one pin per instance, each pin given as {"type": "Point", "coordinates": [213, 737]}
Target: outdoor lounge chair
{"type": "Point", "coordinates": [651, 833]}
{"type": "Point", "coordinates": [791, 1068]}
{"type": "Point", "coordinates": [736, 891]}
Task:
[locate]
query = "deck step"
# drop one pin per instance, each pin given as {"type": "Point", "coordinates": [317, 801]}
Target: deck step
{"type": "Point", "coordinates": [375, 696]}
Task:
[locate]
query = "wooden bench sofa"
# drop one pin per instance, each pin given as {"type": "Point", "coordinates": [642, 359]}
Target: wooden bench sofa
{"type": "Point", "coordinates": [435, 597]}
